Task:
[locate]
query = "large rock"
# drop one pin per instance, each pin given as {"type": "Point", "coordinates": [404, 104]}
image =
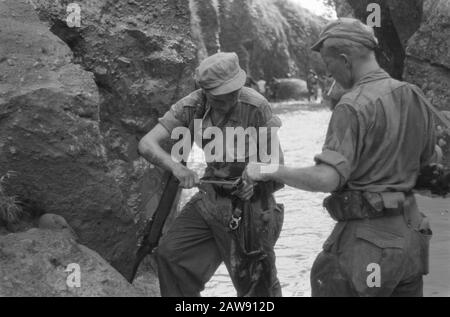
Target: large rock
{"type": "Point", "coordinates": [40, 263]}
{"type": "Point", "coordinates": [428, 60]}
{"type": "Point", "coordinates": [143, 58]}
{"type": "Point", "coordinates": [288, 88]}
{"type": "Point", "coordinates": [428, 54]}
{"type": "Point", "coordinates": [272, 38]}
{"type": "Point", "coordinates": [50, 136]}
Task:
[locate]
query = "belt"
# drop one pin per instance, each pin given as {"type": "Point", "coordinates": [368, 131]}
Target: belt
{"type": "Point", "coordinates": [357, 205]}
{"type": "Point", "coordinates": [223, 187]}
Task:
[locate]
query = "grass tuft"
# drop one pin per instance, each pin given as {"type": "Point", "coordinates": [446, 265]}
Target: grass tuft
{"type": "Point", "coordinates": [10, 210]}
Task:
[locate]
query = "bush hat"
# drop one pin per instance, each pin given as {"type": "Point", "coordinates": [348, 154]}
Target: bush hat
{"type": "Point", "coordinates": [220, 74]}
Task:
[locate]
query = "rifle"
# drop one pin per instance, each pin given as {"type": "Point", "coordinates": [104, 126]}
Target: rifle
{"type": "Point", "coordinates": [154, 227]}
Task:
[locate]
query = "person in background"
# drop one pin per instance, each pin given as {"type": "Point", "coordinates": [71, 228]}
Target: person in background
{"type": "Point", "coordinates": [312, 82]}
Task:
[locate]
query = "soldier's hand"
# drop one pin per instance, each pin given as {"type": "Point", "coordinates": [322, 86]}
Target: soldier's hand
{"type": "Point", "coordinates": [255, 172]}
{"type": "Point", "coordinates": [187, 177]}
{"type": "Point", "coordinates": [245, 190]}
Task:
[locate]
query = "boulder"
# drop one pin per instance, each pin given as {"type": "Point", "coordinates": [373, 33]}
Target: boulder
{"type": "Point", "coordinates": [45, 263]}
{"type": "Point", "coordinates": [427, 61]}
{"type": "Point", "coordinates": [288, 88]}
{"type": "Point", "coordinates": [55, 222]}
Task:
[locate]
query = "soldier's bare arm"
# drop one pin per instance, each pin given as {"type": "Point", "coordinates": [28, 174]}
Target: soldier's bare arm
{"type": "Point", "coordinates": [318, 178]}
{"type": "Point", "coordinates": [151, 150]}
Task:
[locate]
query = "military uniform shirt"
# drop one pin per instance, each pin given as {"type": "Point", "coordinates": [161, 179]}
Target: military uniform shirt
{"type": "Point", "coordinates": [380, 135]}
{"type": "Point", "coordinates": [251, 110]}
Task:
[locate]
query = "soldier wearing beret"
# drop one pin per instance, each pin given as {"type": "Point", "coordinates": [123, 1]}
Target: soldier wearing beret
{"type": "Point", "coordinates": [381, 134]}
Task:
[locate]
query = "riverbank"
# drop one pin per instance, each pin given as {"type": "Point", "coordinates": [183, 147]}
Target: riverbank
{"type": "Point", "coordinates": [437, 283]}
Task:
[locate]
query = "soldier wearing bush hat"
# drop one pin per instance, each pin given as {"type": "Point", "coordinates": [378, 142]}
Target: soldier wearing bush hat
{"type": "Point", "coordinates": [220, 223]}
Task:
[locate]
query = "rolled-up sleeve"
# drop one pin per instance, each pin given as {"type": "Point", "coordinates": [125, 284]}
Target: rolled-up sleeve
{"type": "Point", "coordinates": [340, 148]}
{"type": "Point", "coordinates": [266, 118]}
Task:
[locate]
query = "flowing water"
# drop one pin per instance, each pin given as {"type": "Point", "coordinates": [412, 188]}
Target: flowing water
{"type": "Point", "coordinates": [306, 223]}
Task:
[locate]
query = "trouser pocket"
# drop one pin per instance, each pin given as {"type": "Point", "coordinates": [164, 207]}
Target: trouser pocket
{"type": "Point", "coordinates": [374, 261]}
{"type": "Point", "coordinates": [425, 235]}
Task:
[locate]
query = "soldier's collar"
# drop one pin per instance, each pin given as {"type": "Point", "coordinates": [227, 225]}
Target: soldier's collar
{"type": "Point", "coordinates": [373, 76]}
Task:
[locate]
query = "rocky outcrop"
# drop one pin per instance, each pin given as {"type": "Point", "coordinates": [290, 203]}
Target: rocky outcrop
{"type": "Point", "coordinates": [428, 54]}
{"type": "Point", "coordinates": [427, 62]}
{"type": "Point", "coordinates": [272, 38]}
{"type": "Point", "coordinates": [44, 263]}
{"type": "Point", "coordinates": [142, 57]}
{"type": "Point", "coordinates": [72, 135]}
{"type": "Point", "coordinates": [50, 136]}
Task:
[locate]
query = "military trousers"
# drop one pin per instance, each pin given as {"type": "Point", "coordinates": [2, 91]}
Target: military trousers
{"type": "Point", "coordinates": [198, 242]}
{"type": "Point", "coordinates": [385, 256]}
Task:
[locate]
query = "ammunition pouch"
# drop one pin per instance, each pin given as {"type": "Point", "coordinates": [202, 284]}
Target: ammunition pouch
{"type": "Point", "coordinates": [357, 205]}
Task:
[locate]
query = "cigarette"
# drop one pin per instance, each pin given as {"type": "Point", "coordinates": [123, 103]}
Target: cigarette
{"type": "Point", "coordinates": [331, 88]}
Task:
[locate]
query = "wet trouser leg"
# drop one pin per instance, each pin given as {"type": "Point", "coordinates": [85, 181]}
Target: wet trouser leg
{"type": "Point", "coordinates": [193, 248]}
{"type": "Point", "coordinates": [187, 255]}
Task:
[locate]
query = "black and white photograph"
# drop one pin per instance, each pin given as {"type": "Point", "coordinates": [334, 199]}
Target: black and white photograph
{"type": "Point", "coordinates": [224, 153]}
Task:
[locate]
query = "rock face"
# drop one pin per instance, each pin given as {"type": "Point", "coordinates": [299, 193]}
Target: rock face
{"type": "Point", "coordinates": [272, 38]}
{"type": "Point", "coordinates": [427, 62]}
{"type": "Point", "coordinates": [143, 58]}
{"type": "Point", "coordinates": [50, 136]}
{"type": "Point", "coordinates": [428, 54]}
{"type": "Point", "coordinates": [40, 263]}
